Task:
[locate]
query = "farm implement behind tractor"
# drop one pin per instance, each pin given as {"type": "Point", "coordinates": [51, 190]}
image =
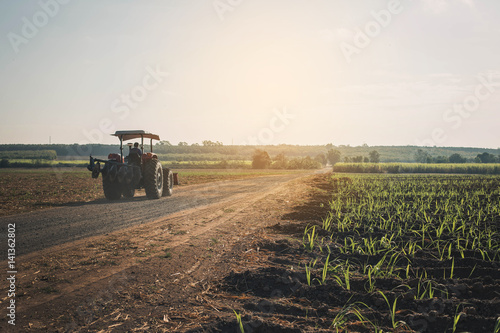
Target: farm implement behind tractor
{"type": "Point", "coordinates": [122, 176]}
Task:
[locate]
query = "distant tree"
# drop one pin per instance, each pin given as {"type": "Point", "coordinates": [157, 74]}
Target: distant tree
{"type": "Point", "coordinates": [303, 163]}
{"type": "Point", "coordinates": [347, 159]}
{"type": "Point", "coordinates": [182, 144]}
{"type": "Point", "coordinates": [421, 156]}
{"type": "Point", "coordinates": [333, 156]}
{"type": "Point", "coordinates": [163, 143]}
{"type": "Point", "coordinates": [330, 146]}
{"type": "Point", "coordinates": [208, 143]}
{"type": "Point", "coordinates": [357, 159]}
{"type": "Point", "coordinates": [321, 158]}
{"type": "Point", "coordinates": [280, 161]}
{"type": "Point", "coordinates": [374, 156]}
{"type": "Point", "coordinates": [457, 158]}
{"type": "Point", "coordinates": [366, 160]}
{"type": "Point", "coordinates": [261, 159]}
{"type": "Point", "coordinates": [195, 144]}
{"type": "Point", "coordinates": [440, 159]}
{"type": "Point", "coordinates": [487, 158]}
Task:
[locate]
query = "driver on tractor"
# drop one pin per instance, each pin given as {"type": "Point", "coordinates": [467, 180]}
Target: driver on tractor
{"type": "Point", "coordinates": [135, 154]}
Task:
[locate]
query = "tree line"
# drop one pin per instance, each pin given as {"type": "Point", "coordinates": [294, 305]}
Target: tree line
{"type": "Point", "coordinates": [422, 156]}
{"type": "Point", "coordinates": [28, 154]}
{"type": "Point", "coordinates": [186, 152]}
{"type": "Point", "coordinates": [334, 156]}
{"type": "Point", "coordinates": [262, 160]}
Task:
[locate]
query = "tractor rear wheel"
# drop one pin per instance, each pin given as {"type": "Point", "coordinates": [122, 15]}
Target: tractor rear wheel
{"type": "Point", "coordinates": [153, 179]}
{"type": "Point", "coordinates": [112, 188]}
{"type": "Point", "coordinates": [168, 182]}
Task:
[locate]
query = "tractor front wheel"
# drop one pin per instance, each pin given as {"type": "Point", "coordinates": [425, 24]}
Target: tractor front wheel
{"type": "Point", "coordinates": [153, 179]}
{"type": "Point", "coordinates": [112, 188]}
{"type": "Point", "coordinates": [168, 182]}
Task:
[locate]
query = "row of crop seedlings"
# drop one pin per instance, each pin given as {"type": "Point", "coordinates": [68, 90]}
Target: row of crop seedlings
{"type": "Point", "coordinates": [406, 239]}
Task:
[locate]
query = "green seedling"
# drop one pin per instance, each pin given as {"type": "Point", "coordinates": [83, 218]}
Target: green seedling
{"type": "Point", "coordinates": [240, 323]}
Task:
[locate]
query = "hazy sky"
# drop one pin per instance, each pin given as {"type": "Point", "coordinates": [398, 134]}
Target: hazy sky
{"type": "Point", "coordinates": [252, 71]}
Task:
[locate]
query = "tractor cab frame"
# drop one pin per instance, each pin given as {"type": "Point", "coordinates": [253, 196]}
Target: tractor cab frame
{"type": "Point", "coordinates": [130, 135]}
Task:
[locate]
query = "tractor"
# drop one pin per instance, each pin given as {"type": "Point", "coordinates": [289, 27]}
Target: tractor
{"type": "Point", "coordinates": [123, 175]}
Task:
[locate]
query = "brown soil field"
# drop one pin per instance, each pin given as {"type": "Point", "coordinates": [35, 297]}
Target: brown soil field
{"type": "Point", "coordinates": [200, 270]}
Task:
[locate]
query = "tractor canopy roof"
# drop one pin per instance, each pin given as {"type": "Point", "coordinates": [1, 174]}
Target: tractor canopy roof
{"type": "Point", "coordinates": [134, 134]}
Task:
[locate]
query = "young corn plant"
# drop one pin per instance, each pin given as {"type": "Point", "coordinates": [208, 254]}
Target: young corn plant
{"type": "Point", "coordinates": [456, 318]}
{"type": "Point", "coordinates": [310, 234]}
{"type": "Point", "coordinates": [472, 271]}
{"type": "Point", "coordinates": [339, 323]}
{"type": "Point", "coordinates": [344, 279]}
{"type": "Point", "coordinates": [371, 282]}
{"type": "Point", "coordinates": [324, 273]}
{"type": "Point", "coordinates": [425, 288]}
{"type": "Point", "coordinates": [327, 222]}
{"type": "Point", "coordinates": [308, 275]}
{"type": "Point", "coordinates": [308, 268]}
{"type": "Point", "coordinates": [240, 322]}
{"type": "Point", "coordinates": [392, 311]}
{"type": "Point", "coordinates": [452, 269]}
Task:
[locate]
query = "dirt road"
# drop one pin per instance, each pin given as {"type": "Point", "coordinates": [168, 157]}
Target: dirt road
{"type": "Point", "coordinates": [39, 230]}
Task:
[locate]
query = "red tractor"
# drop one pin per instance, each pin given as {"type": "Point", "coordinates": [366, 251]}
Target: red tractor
{"type": "Point", "coordinates": [122, 176]}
